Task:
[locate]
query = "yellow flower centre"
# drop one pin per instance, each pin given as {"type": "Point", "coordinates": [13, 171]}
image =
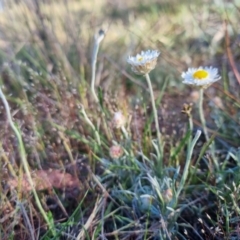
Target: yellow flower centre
{"type": "Point", "coordinates": [140, 58]}
{"type": "Point", "coordinates": [200, 74]}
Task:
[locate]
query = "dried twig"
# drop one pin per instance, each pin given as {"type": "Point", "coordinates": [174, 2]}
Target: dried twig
{"type": "Point", "coordinates": [229, 54]}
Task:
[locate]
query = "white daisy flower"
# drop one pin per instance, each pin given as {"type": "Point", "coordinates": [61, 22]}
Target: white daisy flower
{"type": "Point", "coordinates": [201, 77]}
{"type": "Point", "coordinates": [145, 62]}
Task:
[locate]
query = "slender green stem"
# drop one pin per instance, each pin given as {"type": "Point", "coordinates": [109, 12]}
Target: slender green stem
{"type": "Point", "coordinates": [188, 160]}
{"type": "Point", "coordinates": [24, 160]}
{"type": "Point", "coordinates": [190, 120]}
{"type": "Point", "coordinates": [98, 38]}
{"type": "Point", "coordinates": [124, 132]}
{"type": "Point", "coordinates": [204, 126]}
{"type": "Point", "coordinates": [91, 125]}
{"type": "Point", "coordinates": [201, 115]}
{"type": "Point", "coordinates": [154, 112]}
{"type": "Point", "coordinates": [94, 60]}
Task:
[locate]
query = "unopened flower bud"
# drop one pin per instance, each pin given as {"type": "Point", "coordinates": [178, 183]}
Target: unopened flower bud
{"type": "Point", "coordinates": [146, 202]}
{"type": "Point", "coordinates": [217, 101]}
{"type": "Point", "coordinates": [118, 120]}
{"type": "Point", "coordinates": [115, 152]}
{"type": "Point", "coordinates": [167, 195]}
{"type": "Point", "coordinates": [99, 36]}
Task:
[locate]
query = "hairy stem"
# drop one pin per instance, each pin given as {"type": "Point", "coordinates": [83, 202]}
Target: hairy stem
{"type": "Point", "coordinates": [201, 115]}
{"type": "Point", "coordinates": [98, 38]}
{"type": "Point", "coordinates": [154, 112]}
{"type": "Point", "coordinates": [204, 126]}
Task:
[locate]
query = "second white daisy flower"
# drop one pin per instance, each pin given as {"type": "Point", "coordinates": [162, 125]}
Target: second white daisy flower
{"type": "Point", "coordinates": [201, 77]}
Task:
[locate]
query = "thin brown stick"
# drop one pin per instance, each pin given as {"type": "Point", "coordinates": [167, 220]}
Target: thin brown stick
{"type": "Point", "coordinates": [229, 54]}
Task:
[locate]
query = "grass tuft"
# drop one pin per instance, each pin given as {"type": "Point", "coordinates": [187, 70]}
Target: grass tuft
{"type": "Point", "coordinates": [86, 153]}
